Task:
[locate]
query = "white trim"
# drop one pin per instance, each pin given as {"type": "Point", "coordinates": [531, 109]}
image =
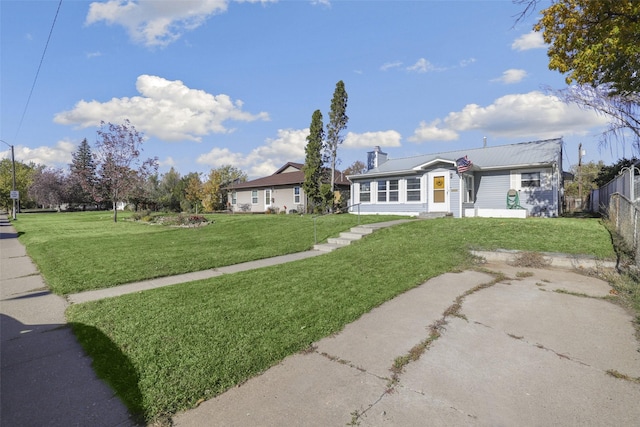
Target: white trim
{"type": "Point", "coordinates": [267, 200]}
{"type": "Point", "coordinates": [405, 189]}
{"type": "Point", "coordinates": [431, 162]}
{"type": "Point", "coordinates": [438, 207]}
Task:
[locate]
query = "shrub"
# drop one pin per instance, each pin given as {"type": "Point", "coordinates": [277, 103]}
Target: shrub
{"type": "Point", "coordinates": [141, 215]}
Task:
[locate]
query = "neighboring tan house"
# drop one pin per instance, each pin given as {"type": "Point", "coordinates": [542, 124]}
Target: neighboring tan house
{"type": "Point", "coordinates": [516, 180]}
{"type": "Point", "coordinates": [280, 192]}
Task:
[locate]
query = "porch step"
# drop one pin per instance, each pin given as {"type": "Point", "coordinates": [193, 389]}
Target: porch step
{"type": "Point", "coordinates": [355, 233]}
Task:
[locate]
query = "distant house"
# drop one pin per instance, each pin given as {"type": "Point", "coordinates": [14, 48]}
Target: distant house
{"type": "Point", "coordinates": [280, 192]}
{"type": "Point", "coordinates": [516, 180]}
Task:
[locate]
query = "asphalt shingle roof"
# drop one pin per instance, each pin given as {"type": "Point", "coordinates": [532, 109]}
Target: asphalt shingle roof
{"type": "Point", "coordinates": [285, 178]}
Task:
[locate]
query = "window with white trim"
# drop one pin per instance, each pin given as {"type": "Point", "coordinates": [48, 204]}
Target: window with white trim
{"type": "Point", "coordinates": [530, 179]}
{"type": "Point", "coordinates": [365, 191]}
{"type": "Point", "coordinates": [296, 195]}
{"type": "Point", "coordinates": [267, 197]}
{"type": "Point", "coordinates": [388, 190]}
{"type": "Point", "coordinates": [254, 197]}
{"type": "Point", "coordinates": [413, 189]}
{"type": "Point", "coordinates": [234, 198]}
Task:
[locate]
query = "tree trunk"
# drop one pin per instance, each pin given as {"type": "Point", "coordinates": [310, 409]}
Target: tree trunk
{"type": "Point", "coordinates": [115, 212]}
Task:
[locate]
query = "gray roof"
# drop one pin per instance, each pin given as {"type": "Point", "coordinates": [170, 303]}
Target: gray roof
{"type": "Point", "coordinates": [525, 154]}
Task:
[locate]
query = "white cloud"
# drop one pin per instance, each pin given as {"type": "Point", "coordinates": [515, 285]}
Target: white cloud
{"type": "Point", "coordinates": [466, 62]}
{"type": "Point", "coordinates": [531, 40]}
{"type": "Point", "coordinates": [288, 146]}
{"type": "Point", "coordinates": [512, 75]}
{"type": "Point", "coordinates": [155, 23]}
{"type": "Point", "coordinates": [431, 132]}
{"type": "Point", "coordinates": [167, 109]}
{"type": "Point", "coordinates": [529, 115]}
{"type": "Point", "coordinates": [158, 23]}
{"type": "Point", "coordinates": [389, 65]}
{"type": "Point", "coordinates": [423, 66]}
{"type": "Point", "coordinates": [94, 54]}
{"type": "Point", "coordinates": [59, 155]}
{"type": "Point", "coordinates": [389, 138]}
{"type": "Point", "coordinates": [167, 162]}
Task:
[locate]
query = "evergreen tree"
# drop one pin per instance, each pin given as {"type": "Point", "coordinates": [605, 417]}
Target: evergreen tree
{"type": "Point", "coordinates": [313, 161]}
{"type": "Point", "coordinates": [83, 174]}
{"type": "Point", "coordinates": [337, 123]}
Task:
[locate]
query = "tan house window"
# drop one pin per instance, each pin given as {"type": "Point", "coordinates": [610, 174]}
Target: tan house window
{"type": "Point", "coordinates": [296, 195]}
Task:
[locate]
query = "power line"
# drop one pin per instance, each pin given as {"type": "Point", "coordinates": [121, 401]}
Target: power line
{"type": "Point", "coordinates": [35, 79]}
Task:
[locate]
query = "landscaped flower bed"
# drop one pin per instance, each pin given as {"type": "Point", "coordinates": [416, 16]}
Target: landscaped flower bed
{"type": "Point", "coordinates": [180, 220]}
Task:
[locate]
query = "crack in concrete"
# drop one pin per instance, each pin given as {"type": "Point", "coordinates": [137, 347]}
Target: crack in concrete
{"type": "Point", "coordinates": [435, 332]}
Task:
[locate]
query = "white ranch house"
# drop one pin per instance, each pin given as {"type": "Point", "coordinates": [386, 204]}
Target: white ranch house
{"type": "Point", "coordinates": [515, 180]}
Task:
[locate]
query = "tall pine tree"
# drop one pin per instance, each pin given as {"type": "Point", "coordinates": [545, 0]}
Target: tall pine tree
{"type": "Point", "coordinates": [313, 161]}
{"type": "Point", "coordinates": [83, 174]}
{"type": "Point", "coordinates": [337, 123]}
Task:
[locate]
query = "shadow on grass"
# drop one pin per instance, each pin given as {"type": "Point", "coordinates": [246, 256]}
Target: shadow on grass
{"type": "Point", "coordinates": [112, 366]}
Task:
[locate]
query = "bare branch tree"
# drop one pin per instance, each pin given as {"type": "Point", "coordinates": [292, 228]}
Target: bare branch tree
{"type": "Point", "coordinates": [623, 112]}
{"type": "Point", "coordinates": [117, 151]}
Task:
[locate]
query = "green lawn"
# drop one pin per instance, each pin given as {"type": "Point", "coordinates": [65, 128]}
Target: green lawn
{"type": "Point", "coordinates": [82, 251]}
{"type": "Point", "coordinates": [165, 349]}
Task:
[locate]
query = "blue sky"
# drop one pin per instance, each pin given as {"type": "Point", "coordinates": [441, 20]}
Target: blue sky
{"type": "Point", "coordinates": [215, 82]}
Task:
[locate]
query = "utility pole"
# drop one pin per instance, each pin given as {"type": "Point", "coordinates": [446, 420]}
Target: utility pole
{"type": "Point", "coordinates": [13, 172]}
{"type": "Point", "coordinates": [580, 174]}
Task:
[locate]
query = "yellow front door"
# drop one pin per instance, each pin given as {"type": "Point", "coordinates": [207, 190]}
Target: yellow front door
{"type": "Point", "coordinates": [439, 192]}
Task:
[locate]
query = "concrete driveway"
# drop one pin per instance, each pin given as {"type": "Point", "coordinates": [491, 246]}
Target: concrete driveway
{"type": "Point", "coordinates": [515, 352]}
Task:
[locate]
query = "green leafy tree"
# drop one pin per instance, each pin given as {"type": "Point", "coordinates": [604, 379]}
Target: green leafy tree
{"type": "Point", "coordinates": [120, 170]}
{"type": "Point", "coordinates": [337, 123]}
{"type": "Point", "coordinates": [171, 190]}
{"type": "Point", "coordinates": [193, 190]}
{"type": "Point", "coordinates": [594, 42]}
{"type": "Point", "coordinates": [24, 178]}
{"type": "Point", "coordinates": [215, 189]}
{"type": "Point", "coordinates": [313, 164]}
{"type": "Point", "coordinates": [596, 45]}
{"type": "Point", "coordinates": [607, 173]}
{"type": "Point", "coordinates": [585, 175]}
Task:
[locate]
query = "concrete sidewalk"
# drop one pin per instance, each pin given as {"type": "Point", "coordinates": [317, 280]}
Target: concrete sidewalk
{"type": "Point", "coordinates": [45, 377]}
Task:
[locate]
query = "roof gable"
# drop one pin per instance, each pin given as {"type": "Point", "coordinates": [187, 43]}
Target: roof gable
{"type": "Point", "coordinates": [289, 174]}
{"type": "Point", "coordinates": [289, 167]}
